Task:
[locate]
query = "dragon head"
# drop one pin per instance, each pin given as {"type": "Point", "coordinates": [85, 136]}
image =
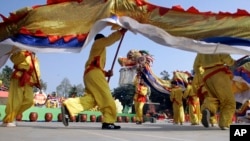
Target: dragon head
{"type": "Point", "coordinates": [135, 58]}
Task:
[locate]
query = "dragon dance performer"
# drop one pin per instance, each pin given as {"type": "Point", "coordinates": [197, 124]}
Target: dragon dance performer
{"type": "Point", "coordinates": [26, 74]}
{"type": "Point", "coordinates": [176, 96]}
{"type": "Point", "coordinates": [140, 97]}
{"type": "Point", "coordinates": [203, 93]}
{"type": "Point", "coordinates": [97, 91]}
{"type": "Point", "coordinates": [218, 81]}
{"type": "Point", "coordinates": [193, 102]}
{"type": "Point", "coordinates": [52, 102]}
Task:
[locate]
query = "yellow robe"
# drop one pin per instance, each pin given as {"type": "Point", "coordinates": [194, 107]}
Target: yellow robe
{"type": "Point", "coordinates": [193, 104]}
{"type": "Point", "coordinates": [141, 91]}
{"type": "Point", "coordinates": [20, 98]}
{"type": "Point", "coordinates": [205, 97]}
{"type": "Point", "coordinates": [176, 97]}
{"type": "Point", "coordinates": [97, 91]}
{"type": "Point", "coordinates": [218, 82]}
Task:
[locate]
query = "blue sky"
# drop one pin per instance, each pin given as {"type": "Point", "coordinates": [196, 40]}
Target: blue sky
{"type": "Point", "coordinates": [56, 67]}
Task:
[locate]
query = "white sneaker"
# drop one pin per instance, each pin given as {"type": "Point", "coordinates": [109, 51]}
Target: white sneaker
{"type": "Point", "coordinates": [10, 124]}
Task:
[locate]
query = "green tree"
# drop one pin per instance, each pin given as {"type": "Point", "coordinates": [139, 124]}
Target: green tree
{"type": "Point", "coordinates": [162, 98]}
{"type": "Point", "coordinates": [5, 76]}
{"type": "Point", "coordinates": [73, 92]}
{"type": "Point", "coordinates": [124, 94]}
{"type": "Point", "coordinates": [165, 75]}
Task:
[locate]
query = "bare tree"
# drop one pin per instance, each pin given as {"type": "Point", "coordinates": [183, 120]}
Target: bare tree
{"type": "Point", "coordinates": [80, 89]}
{"type": "Point", "coordinates": [64, 88]}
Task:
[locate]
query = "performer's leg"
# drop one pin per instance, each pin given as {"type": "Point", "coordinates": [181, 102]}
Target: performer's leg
{"type": "Point", "coordinates": [193, 114]}
{"type": "Point", "coordinates": [136, 105]}
{"type": "Point", "coordinates": [27, 99]}
{"type": "Point", "coordinates": [210, 104]}
{"type": "Point", "coordinates": [79, 104]}
{"type": "Point", "coordinates": [140, 111]}
{"type": "Point", "coordinates": [100, 90]}
{"type": "Point", "coordinates": [175, 114]}
{"type": "Point", "coordinates": [15, 99]}
{"type": "Point", "coordinates": [217, 85]}
{"type": "Point", "coordinates": [181, 117]}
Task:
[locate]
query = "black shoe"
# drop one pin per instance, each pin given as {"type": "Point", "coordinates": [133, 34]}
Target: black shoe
{"type": "Point", "coordinates": [138, 122]}
{"type": "Point", "coordinates": [110, 126]}
{"type": "Point", "coordinates": [205, 118]}
{"type": "Point", "coordinates": [65, 115]}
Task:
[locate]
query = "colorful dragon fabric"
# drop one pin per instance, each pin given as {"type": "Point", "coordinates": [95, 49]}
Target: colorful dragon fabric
{"type": "Point", "coordinates": [139, 62]}
{"type": "Point", "coordinates": [65, 26]}
{"type": "Point", "coordinates": [241, 80]}
{"type": "Point", "coordinates": [61, 26]}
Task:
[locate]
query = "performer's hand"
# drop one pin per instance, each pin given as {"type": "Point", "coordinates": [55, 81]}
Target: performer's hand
{"type": "Point", "coordinates": [109, 73]}
{"type": "Point", "coordinates": [123, 31]}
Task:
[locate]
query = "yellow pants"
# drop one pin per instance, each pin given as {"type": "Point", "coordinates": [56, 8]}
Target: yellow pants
{"type": "Point", "coordinates": [19, 100]}
{"type": "Point", "coordinates": [212, 104]}
{"type": "Point", "coordinates": [97, 92]}
{"type": "Point", "coordinates": [194, 111]}
{"type": "Point", "coordinates": [139, 110]}
{"type": "Point", "coordinates": [178, 113]}
{"type": "Point", "coordinates": [220, 87]}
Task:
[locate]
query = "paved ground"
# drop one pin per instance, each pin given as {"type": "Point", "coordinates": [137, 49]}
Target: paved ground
{"type": "Point", "coordinates": [76, 131]}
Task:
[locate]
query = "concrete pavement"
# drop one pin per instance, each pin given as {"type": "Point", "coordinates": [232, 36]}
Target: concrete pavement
{"type": "Point", "coordinates": [91, 131]}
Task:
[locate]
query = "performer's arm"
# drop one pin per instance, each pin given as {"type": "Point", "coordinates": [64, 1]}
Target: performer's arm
{"type": "Point", "coordinates": [112, 38]}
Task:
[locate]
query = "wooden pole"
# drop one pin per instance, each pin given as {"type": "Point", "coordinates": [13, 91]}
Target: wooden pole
{"type": "Point", "coordinates": [118, 48]}
{"type": "Point", "coordinates": [33, 63]}
{"type": "Point", "coordinates": [242, 58]}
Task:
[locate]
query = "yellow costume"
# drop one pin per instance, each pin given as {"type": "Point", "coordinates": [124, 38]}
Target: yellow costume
{"type": "Point", "coordinates": [218, 82]}
{"type": "Point", "coordinates": [97, 91]}
{"type": "Point", "coordinates": [24, 77]}
{"type": "Point", "coordinates": [140, 97]}
{"type": "Point", "coordinates": [212, 104]}
{"type": "Point", "coordinates": [176, 96]}
{"type": "Point", "coordinates": [193, 103]}
{"type": "Point", "coordinates": [203, 95]}
{"type": "Point", "coordinates": [52, 103]}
